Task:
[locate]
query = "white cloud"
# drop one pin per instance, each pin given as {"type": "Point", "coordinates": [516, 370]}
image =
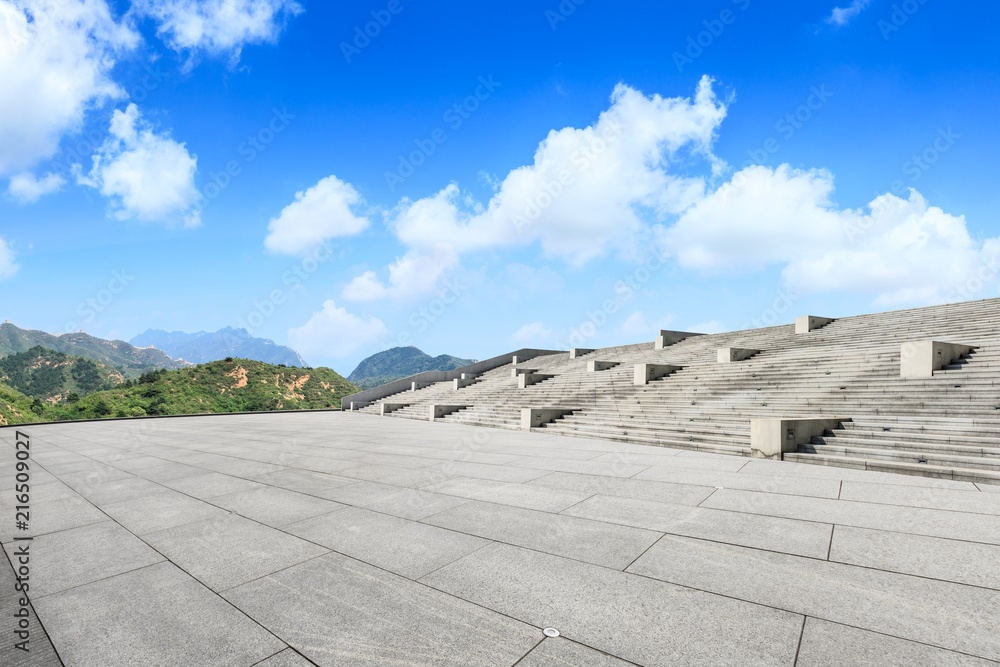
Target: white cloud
{"type": "Point", "coordinates": [324, 211]}
{"type": "Point", "coordinates": [412, 276]}
{"type": "Point", "coordinates": [56, 59]}
{"type": "Point", "coordinates": [841, 16]}
{"type": "Point", "coordinates": [901, 251]}
{"type": "Point", "coordinates": [26, 188]}
{"type": "Point", "coordinates": [7, 266]}
{"type": "Point", "coordinates": [762, 216]}
{"type": "Point", "coordinates": [218, 26]}
{"type": "Point", "coordinates": [535, 333]}
{"type": "Point", "coordinates": [333, 332]}
{"type": "Point", "coordinates": [588, 189]}
{"type": "Point", "coordinates": [148, 176]}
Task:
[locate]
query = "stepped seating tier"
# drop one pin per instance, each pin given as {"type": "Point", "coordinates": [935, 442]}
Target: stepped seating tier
{"type": "Point", "coordinates": [946, 425]}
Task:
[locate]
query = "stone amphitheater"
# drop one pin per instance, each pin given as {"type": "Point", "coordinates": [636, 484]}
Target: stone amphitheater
{"type": "Point", "coordinates": [910, 391]}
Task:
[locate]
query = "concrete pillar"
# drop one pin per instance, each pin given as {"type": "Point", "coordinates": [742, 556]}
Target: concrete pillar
{"type": "Point", "coordinates": [527, 379]}
{"type": "Point", "coordinates": [459, 383]}
{"type": "Point", "coordinates": [535, 417]}
{"type": "Point", "coordinates": [386, 408]}
{"type": "Point", "coordinates": [646, 373]}
{"type": "Point", "coordinates": [668, 338]}
{"type": "Point", "coordinates": [771, 438]}
{"type": "Point", "coordinates": [514, 372]}
{"type": "Point", "coordinates": [919, 359]}
{"type": "Point", "coordinates": [595, 366]}
{"type": "Point", "coordinates": [807, 323]}
{"type": "Point", "coordinates": [438, 411]}
{"type": "Point", "coordinates": [419, 385]}
{"type": "Point", "coordinates": [578, 352]}
{"type": "Point", "coordinates": [731, 354]}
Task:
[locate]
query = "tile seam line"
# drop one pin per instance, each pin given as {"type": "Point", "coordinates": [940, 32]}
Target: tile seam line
{"type": "Point", "coordinates": [802, 634]}
{"type": "Point", "coordinates": [530, 651]}
{"type": "Point", "coordinates": [713, 541]}
{"type": "Point", "coordinates": [851, 525]}
{"type": "Point", "coordinates": [821, 618]}
{"type": "Point", "coordinates": [35, 612]}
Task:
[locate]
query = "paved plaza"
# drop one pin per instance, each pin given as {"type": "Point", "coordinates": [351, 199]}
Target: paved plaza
{"type": "Point", "coordinates": [347, 539]}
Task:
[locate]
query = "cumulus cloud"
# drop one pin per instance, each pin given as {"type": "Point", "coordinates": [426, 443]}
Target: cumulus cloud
{"type": "Point", "coordinates": [148, 176]}
{"type": "Point", "coordinates": [7, 266]}
{"type": "Point", "coordinates": [326, 210]}
{"type": "Point", "coordinates": [412, 276]}
{"type": "Point", "coordinates": [588, 189]}
{"type": "Point", "coordinates": [333, 332]}
{"type": "Point", "coordinates": [56, 59]}
{"type": "Point", "coordinates": [841, 16]}
{"type": "Point", "coordinates": [26, 188]}
{"type": "Point", "coordinates": [899, 250]}
{"type": "Point", "coordinates": [218, 26]}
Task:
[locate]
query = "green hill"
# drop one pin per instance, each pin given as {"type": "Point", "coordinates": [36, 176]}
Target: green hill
{"type": "Point", "coordinates": [129, 360]}
{"type": "Point", "coordinates": [52, 376]}
{"type": "Point", "coordinates": [16, 408]}
{"type": "Point", "coordinates": [236, 385]}
{"type": "Point", "coordinates": [401, 362]}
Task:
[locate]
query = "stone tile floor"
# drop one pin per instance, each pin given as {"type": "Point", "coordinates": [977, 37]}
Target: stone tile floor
{"type": "Point", "coordinates": [346, 539]}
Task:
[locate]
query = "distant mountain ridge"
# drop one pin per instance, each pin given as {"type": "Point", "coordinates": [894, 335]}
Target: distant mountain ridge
{"type": "Point", "coordinates": [401, 362]}
{"type": "Point", "coordinates": [129, 360]}
{"type": "Point", "coordinates": [204, 346]}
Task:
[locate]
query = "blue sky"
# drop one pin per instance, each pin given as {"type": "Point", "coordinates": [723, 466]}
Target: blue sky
{"type": "Point", "coordinates": [473, 179]}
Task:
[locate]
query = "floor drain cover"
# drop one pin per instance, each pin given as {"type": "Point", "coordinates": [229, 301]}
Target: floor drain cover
{"type": "Point", "coordinates": [550, 632]}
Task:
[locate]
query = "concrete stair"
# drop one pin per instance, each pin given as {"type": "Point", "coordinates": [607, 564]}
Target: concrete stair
{"type": "Point", "coordinates": [947, 425]}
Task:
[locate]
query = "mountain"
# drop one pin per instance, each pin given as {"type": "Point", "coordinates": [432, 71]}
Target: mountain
{"type": "Point", "coordinates": [401, 362]}
{"type": "Point", "coordinates": [52, 376]}
{"type": "Point", "coordinates": [203, 346]}
{"type": "Point", "coordinates": [129, 360]}
{"type": "Point", "coordinates": [240, 385]}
